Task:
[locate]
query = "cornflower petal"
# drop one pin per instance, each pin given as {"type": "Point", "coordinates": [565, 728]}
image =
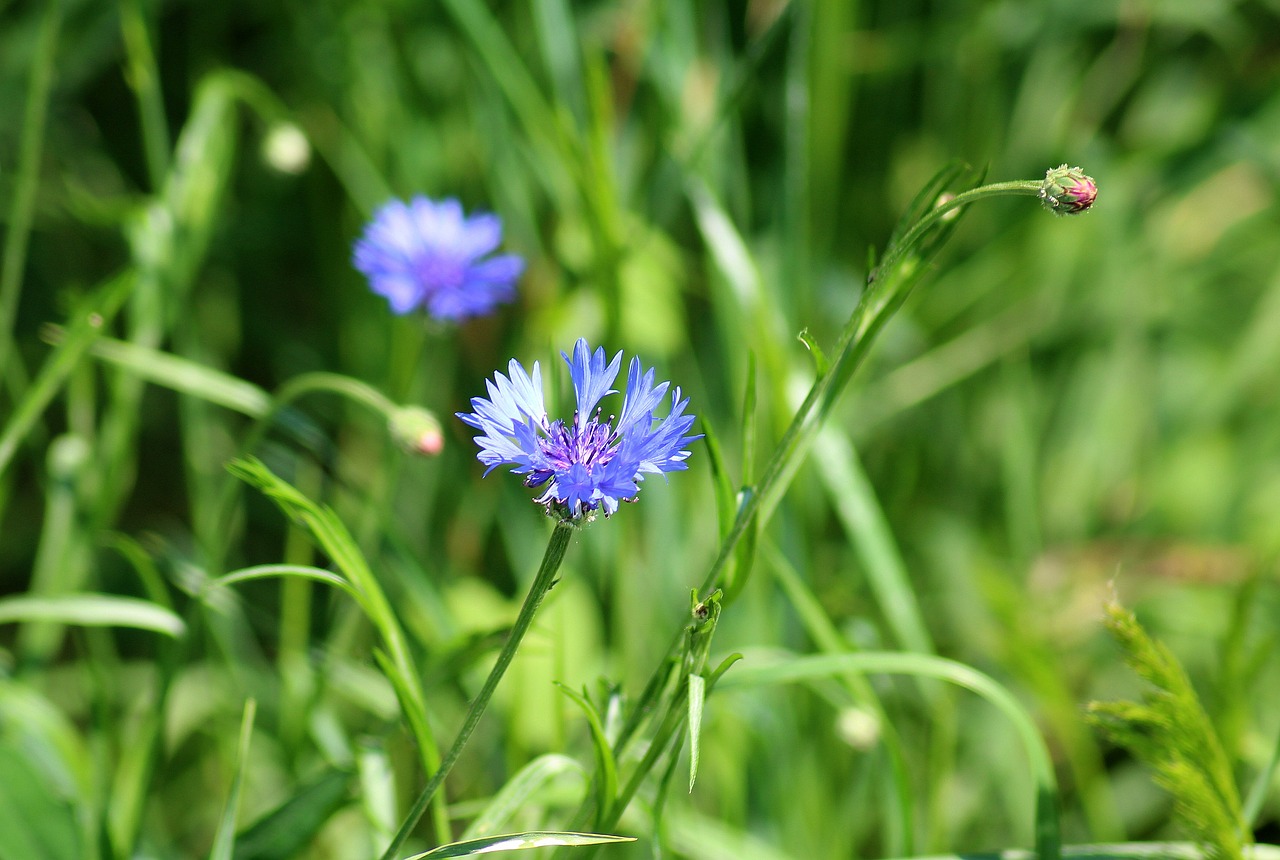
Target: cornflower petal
{"type": "Point", "coordinates": [591, 379]}
{"type": "Point", "coordinates": [641, 397]}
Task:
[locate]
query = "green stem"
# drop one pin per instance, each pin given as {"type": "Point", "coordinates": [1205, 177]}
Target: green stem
{"type": "Point", "coordinates": [542, 583]}
{"type": "Point", "coordinates": [24, 192]}
{"type": "Point", "coordinates": [144, 77]}
{"type": "Point", "coordinates": [886, 290]}
{"type": "Point", "coordinates": [1019, 188]}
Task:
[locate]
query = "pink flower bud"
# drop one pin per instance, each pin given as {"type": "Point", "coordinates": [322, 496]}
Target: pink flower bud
{"type": "Point", "coordinates": [1067, 190]}
{"type": "Point", "coordinates": [417, 431]}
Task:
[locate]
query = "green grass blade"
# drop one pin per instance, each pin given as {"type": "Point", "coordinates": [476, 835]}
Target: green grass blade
{"type": "Point", "coordinates": [225, 837]}
{"type": "Point", "coordinates": [144, 78]}
{"type": "Point", "coordinates": [697, 701]}
{"type": "Point", "coordinates": [286, 830]}
{"type": "Point", "coordinates": [518, 842]}
{"type": "Point", "coordinates": [559, 44]}
{"type": "Point", "coordinates": [178, 374]}
{"type": "Point", "coordinates": [606, 765]}
{"type": "Point", "coordinates": [22, 208]}
{"type": "Point", "coordinates": [859, 511]}
{"type": "Point", "coordinates": [269, 571]}
{"type": "Point", "coordinates": [520, 789]}
{"type": "Point", "coordinates": [92, 610]}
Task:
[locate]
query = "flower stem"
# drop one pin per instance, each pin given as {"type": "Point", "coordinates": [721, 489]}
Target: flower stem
{"type": "Point", "coordinates": [885, 292]}
{"type": "Point", "coordinates": [1018, 188]}
{"type": "Point", "coordinates": [542, 583]}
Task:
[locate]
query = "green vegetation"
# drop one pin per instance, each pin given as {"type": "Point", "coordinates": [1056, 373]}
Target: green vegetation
{"type": "Point", "coordinates": [254, 593]}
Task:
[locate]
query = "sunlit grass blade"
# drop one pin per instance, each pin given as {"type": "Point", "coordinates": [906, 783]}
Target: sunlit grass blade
{"type": "Point", "coordinates": [520, 790]}
{"type": "Point", "coordinates": [559, 44]}
{"type": "Point", "coordinates": [270, 571]}
{"type": "Point", "coordinates": [225, 836]}
{"type": "Point", "coordinates": [177, 373]}
{"type": "Point", "coordinates": [92, 610]}
{"type": "Point", "coordinates": [518, 842]}
{"type": "Point", "coordinates": [697, 700]}
{"type": "Point", "coordinates": [284, 831]}
{"type": "Point", "coordinates": [377, 794]}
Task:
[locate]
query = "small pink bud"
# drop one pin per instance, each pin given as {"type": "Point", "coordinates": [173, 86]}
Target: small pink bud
{"type": "Point", "coordinates": [417, 431]}
{"type": "Point", "coordinates": [1067, 190]}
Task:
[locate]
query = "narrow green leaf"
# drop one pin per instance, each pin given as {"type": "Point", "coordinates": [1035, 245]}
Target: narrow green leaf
{"type": "Point", "coordinates": [559, 44]}
{"type": "Point", "coordinates": [224, 838]}
{"type": "Point", "coordinates": [724, 666]}
{"type": "Point", "coordinates": [864, 522]}
{"type": "Point", "coordinates": [286, 830]}
{"type": "Point", "coordinates": [726, 497]}
{"type": "Point", "coordinates": [819, 358]}
{"type": "Point", "coordinates": [377, 789]}
{"type": "Point", "coordinates": [697, 698]}
{"type": "Point", "coordinates": [269, 571]}
{"type": "Point", "coordinates": [606, 765]}
{"type": "Point", "coordinates": [518, 842]}
{"type": "Point", "coordinates": [519, 791]}
{"type": "Point", "coordinates": [179, 374]}
{"type": "Point", "coordinates": [92, 610]}
{"type": "Point", "coordinates": [23, 191]}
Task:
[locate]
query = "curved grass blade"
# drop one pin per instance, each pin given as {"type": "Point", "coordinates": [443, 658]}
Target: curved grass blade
{"type": "Point", "coordinates": [92, 610]}
{"type": "Point", "coordinates": [519, 789]}
{"type": "Point", "coordinates": [271, 571]}
{"type": "Point", "coordinates": [518, 842]}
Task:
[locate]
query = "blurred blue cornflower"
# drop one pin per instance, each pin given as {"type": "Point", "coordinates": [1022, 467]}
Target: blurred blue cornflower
{"type": "Point", "coordinates": [424, 253]}
{"type": "Point", "coordinates": [589, 463]}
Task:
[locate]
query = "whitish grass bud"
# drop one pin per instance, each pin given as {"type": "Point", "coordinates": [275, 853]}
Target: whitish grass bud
{"type": "Point", "coordinates": [417, 431]}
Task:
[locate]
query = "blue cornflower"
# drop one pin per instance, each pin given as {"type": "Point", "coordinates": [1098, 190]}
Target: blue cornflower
{"type": "Point", "coordinates": [589, 463]}
{"type": "Point", "coordinates": [424, 253]}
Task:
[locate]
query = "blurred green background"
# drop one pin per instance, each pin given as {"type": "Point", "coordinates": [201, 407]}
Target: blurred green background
{"type": "Point", "coordinates": [1064, 407]}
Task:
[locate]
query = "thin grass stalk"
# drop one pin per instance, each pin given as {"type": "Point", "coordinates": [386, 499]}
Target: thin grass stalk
{"type": "Point", "coordinates": [144, 79]}
{"type": "Point", "coordinates": [22, 210]}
